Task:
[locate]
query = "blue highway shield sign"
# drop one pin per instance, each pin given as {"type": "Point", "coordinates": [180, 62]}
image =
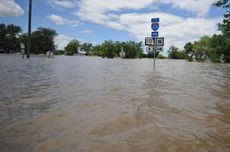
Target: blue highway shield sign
{"type": "Point", "coordinates": [155, 26]}
{"type": "Point", "coordinates": [155, 20]}
{"type": "Point", "coordinates": [155, 34]}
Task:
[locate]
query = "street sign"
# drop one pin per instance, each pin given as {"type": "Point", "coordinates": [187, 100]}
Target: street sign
{"type": "Point", "coordinates": [154, 43]}
{"type": "Point", "coordinates": [149, 49]}
{"type": "Point", "coordinates": [160, 49]}
{"type": "Point", "coordinates": [154, 34]}
{"type": "Point", "coordinates": [159, 41]}
{"type": "Point", "coordinates": [22, 45]}
{"type": "Point", "coordinates": [149, 41]}
{"type": "Point", "coordinates": [155, 26]}
{"type": "Point", "coordinates": [155, 20]}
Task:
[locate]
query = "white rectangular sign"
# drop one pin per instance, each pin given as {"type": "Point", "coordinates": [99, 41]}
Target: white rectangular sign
{"type": "Point", "coordinates": [149, 41]}
{"type": "Point", "coordinates": [22, 45]}
{"type": "Point", "coordinates": [160, 49]}
{"type": "Point", "coordinates": [151, 49]}
{"type": "Point", "coordinates": [159, 41]}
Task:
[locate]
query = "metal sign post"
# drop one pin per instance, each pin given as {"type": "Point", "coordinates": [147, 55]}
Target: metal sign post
{"type": "Point", "coordinates": [154, 43]}
{"type": "Point", "coordinates": [154, 54]}
{"type": "Point", "coordinates": [154, 34]}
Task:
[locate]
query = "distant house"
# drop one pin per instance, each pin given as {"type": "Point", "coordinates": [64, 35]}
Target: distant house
{"type": "Point", "coordinates": [122, 53]}
{"type": "Point", "coordinates": [80, 51]}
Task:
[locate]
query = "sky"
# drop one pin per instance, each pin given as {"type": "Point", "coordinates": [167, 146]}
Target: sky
{"type": "Point", "coordinates": [95, 21]}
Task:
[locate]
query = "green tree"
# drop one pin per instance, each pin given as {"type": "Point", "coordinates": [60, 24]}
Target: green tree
{"type": "Point", "coordinates": [201, 48]}
{"type": "Point", "coordinates": [215, 50]}
{"type": "Point", "coordinates": [118, 46]}
{"type": "Point", "coordinates": [8, 37]}
{"type": "Point", "coordinates": [108, 49]}
{"type": "Point", "coordinates": [174, 53]}
{"type": "Point", "coordinates": [42, 40]}
{"type": "Point", "coordinates": [225, 25]}
{"type": "Point", "coordinates": [87, 47]}
{"type": "Point", "coordinates": [96, 50]}
{"type": "Point", "coordinates": [112, 49]}
{"type": "Point", "coordinates": [3, 32]}
{"type": "Point", "coordinates": [72, 47]}
{"type": "Point", "coordinates": [133, 49]}
{"type": "Point", "coordinates": [225, 28]}
{"type": "Point", "coordinates": [189, 51]}
{"type": "Point", "coordinates": [11, 37]}
{"type": "Point", "coordinates": [207, 48]}
{"type": "Point", "coordinates": [226, 50]}
{"type": "Point", "coordinates": [160, 56]}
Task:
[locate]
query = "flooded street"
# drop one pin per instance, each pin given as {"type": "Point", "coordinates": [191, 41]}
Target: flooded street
{"type": "Point", "coordinates": [89, 104]}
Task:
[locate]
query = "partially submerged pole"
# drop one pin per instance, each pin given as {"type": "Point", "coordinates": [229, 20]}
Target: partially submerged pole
{"type": "Point", "coordinates": [29, 29]}
{"type": "Point", "coordinates": [154, 54]}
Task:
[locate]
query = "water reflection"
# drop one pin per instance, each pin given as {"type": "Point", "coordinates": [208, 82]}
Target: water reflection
{"type": "Point", "coordinates": [94, 104]}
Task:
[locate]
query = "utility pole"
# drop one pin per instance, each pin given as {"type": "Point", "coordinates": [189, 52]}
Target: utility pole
{"type": "Point", "coordinates": [154, 53]}
{"type": "Point", "coordinates": [29, 30]}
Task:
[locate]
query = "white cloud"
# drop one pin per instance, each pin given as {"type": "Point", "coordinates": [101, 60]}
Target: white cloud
{"type": "Point", "coordinates": [62, 3]}
{"type": "Point", "coordinates": [97, 11]}
{"type": "Point", "coordinates": [62, 41]}
{"type": "Point", "coordinates": [62, 21]}
{"type": "Point", "coordinates": [10, 8]}
{"type": "Point", "coordinates": [200, 7]}
{"type": "Point", "coordinates": [176, 30]}
{"type": "Point", "coordinates": [86, 31]}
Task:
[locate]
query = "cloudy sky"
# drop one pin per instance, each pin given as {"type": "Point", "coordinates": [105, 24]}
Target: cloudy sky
{"type": "Point", "coordinates": [118, 20]}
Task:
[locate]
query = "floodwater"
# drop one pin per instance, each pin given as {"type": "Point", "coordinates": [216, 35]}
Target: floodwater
{"type": "Point", "coordinates": [91, 104]}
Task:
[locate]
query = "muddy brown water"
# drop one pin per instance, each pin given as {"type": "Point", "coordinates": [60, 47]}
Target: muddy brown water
{"type": "Point", "coordinates": [90, 104]}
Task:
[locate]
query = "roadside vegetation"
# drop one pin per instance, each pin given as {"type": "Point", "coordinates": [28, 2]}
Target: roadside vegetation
{"type": "Point", "coordinates": [42, 40]}
{"type": "Point", "coordinates": [112, 49]}
{"type": "Point", "coordinates": [175, 53]}
{"type": "Point", "coordinates": [8, 37]}
{"type": "Point", "coordinates": [215, 48]}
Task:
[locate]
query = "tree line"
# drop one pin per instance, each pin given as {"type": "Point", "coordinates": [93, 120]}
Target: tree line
{"type": "Point", "coordinates": [42, 40]}
{"type": "Point", "coordinates": [215, 48]}
{"type": "Point", "coordinates": [107, 49]}
{"type": "Point", "coordinates": [8, 37]}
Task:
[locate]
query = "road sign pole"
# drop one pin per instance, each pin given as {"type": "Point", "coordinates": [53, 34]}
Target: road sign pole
{"type": "Point", "coordinates": [154, 54]}
{"type": "Point", "coordinates": [154, 42]}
